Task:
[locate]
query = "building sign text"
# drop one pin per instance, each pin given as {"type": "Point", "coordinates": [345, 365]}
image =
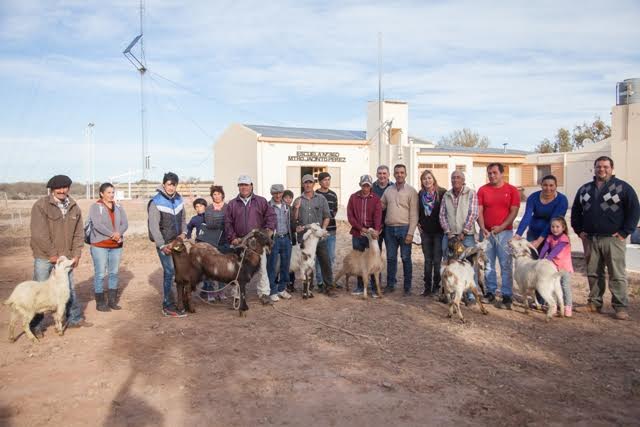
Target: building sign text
{"type": "Point", "coordinates": [318, 156]}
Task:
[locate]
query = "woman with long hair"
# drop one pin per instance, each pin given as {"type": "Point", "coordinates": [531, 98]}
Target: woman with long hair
{"type": "Point", "coordinates": [430, 198]}
{"type": "Point", "coordinates": [108, 224]}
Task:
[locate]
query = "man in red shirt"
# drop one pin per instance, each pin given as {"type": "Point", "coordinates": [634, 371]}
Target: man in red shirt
{"type": "Point", "coordinates": [498, 204]}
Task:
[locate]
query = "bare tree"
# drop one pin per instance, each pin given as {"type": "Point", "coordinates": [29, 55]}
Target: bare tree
{"type": "Point", "coordinates": [465, 138]}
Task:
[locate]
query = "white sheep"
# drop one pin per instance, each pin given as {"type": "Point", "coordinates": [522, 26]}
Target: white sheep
{"type": "Point", "coordinates": [540, 275]}
{"type": "Point", "coordinates": [458, 277]}
{"type": "Point", "coordinates": [31, 297]}
{"type": "Point", "coordinates": [363, 264]}
{"type": "Point", "coordinates": [303, 261]}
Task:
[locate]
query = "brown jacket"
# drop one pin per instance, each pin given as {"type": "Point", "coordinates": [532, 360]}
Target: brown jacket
{"type": "Point", "coordinates": [53, 234]}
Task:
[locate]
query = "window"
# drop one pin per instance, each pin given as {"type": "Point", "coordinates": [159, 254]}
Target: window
{"type": "Point", "coordinates": [541, 172]}
{"type": "Point", "coordinates": [461, 168]}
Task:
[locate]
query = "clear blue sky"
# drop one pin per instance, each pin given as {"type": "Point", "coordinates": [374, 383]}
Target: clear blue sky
{"type": "Point", "coordinates": [514, 72]}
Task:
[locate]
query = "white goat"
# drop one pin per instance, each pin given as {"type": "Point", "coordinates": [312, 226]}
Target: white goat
{"type": "Point", "coordinates": [31, 297]}
{"type": "Point", "coordinates": [540, 275]}
{"type": "Point", "coordinates": [363, 264]}
{"type": "Point", "coordinates": [303, 261]}
{"type": "Point", "coordinates": [458, 277]}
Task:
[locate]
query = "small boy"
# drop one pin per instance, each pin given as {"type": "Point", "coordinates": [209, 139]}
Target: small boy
{"type": "Point", "coordinates": [196, 222]}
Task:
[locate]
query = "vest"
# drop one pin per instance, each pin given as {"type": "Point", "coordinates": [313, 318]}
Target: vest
{"type": "Point", "coordinates": [456, 216]}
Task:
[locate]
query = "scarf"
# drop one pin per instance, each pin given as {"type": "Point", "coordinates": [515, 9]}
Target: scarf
{"type": "Point", "coordinates": [63, 206]}
{"type": "Point", "coordinates": [428, 201]}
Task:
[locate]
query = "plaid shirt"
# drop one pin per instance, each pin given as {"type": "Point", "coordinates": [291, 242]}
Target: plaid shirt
{"type": "Point", "coordinates": [472, 214]}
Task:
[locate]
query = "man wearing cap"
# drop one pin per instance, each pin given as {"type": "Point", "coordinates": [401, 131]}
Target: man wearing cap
{"type": "Point", "coordinates": [324, 179]}
{"type": "Point", "coordinates": [364, 211]}
{"type": "Point", "coordinates": [401, 203]}
{"type": "Point", "coordinates": [379, 187]}
{"type": "Point", "coordinates": [309, 208]}
{"type": "Point", "coordinates": [166, 223]}
{"type": "Point", "coordinates": [281, 250]}
{"type": "Point", "coordinates": [244, 213]}
{"type": "Point", "coordinates": [56, 230]}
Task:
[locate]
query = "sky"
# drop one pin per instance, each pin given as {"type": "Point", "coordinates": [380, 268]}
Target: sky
{"type": "Point", "coordinates": [513, 71]}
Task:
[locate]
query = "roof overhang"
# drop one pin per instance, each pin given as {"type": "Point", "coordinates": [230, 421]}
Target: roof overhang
{"type": "Point", "coordinates": [478, 157]}
{"type": "Point", "coordinates": [268, 139]}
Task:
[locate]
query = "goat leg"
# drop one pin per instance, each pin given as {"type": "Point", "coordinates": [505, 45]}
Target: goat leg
{"type": "Point", "coordinates": [187, 299]}
{"type": "Point", "coordinates": [243, 300]}
{"type": "Point", "coordinates": [376, 280]}
{"type": "Point", "coordinates": [27, 329]}
{"type": "Point", "coordinates": [474, 291]}
{"type": "Point", "coordinates": [12, 326]}
{"type": "Point", "coordinates": [180, 295]}
{"type": "Point", "coordinates": [365, 285]}
{"type": "Point", "coordinates": [456, 300]}
{"type": "Point", "coordinates": [58, 316]}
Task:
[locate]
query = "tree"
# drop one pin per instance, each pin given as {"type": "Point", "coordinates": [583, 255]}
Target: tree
{"type": "Point", "coordinates": [545, 146]}
{"type": "Point", "coordinates": [596, 131]}
{"type": "Point", "coordinates": [465, 138]}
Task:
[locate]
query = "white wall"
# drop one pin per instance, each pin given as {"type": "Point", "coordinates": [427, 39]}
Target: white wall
{"type": "Point", "coordinates": [235, 154]}
{"type": "Point", "coordinates": [451, 162]}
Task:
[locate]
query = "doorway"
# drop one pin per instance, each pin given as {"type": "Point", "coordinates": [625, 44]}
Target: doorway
{"type": "Point", "coordinates": [314, 171]}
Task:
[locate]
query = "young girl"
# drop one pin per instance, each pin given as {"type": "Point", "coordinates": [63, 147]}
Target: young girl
{"type": "Point", "coordinates": [557, 249]}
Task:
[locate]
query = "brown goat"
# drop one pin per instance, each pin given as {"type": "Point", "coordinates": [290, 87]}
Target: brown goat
{"type": "Point", "coordinates": [207, 261]}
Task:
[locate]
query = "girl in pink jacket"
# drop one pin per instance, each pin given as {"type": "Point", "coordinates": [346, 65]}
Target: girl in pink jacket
{"type": "Point", "coordinates": [557, 249]}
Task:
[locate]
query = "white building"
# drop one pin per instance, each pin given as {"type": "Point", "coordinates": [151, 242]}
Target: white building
{"type": "Point", "coordinates": [274, 154]}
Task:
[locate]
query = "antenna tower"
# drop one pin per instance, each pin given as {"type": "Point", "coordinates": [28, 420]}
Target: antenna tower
{"type": "Point", "coordinates": [141, 66]}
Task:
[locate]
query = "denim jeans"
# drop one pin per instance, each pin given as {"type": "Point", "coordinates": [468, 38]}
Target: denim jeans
{"type": "Point", "coordinates": [468, 241]}
{"type": "Point", "coordinates": [360, 243]}
{"type": "Point", "coordinates": [394, 236]}
{"type": "Point", "coordinates": [432, 251]}
{"type": "Point", "coordinates": [322, 255]}
{"type": "Point", "coordinates": [331, 247]}
{"type": "Point", "coordinates": [565, 284]}
{"type": "Point", "coordinates": [168, 272]}
{"type": "Point", "coordinates": [41, 271]}
{"type": "Point", "coordinates": [498, 249]}
{"type": "Point", "coordinates": [281, 250]}
{"type": "Point", "coordinates": [105, 260]}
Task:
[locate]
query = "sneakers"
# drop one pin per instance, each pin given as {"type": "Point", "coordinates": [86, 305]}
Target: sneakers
{"type": "Point", "coordinates": [592, 308]}
{"type": "Point", "coordinates": [274, 298]}
{"type": "Point", "coordinates": [357, 292]}
{"type": "Point", "coordinates": [266, 299]}
{"type": "Point", "coordinates": [374, 295]}
{"type": "Point", "coordinates": [407, 293]}
{"type": "Point", "coordinates": [468, 302]}
{"type": "Point", "coordinates": [621, 314]}
{"type": "Point", "coordinates": [567, 311]}
{"type": "Point", "coordinates": [284, 295]}
{"type": "Point", "coordinates": [221, 296]}
{"type": "Point", "coordinates": [490, 297]}
{"type": "Point", "coordinates": [388, 289]}
{"type": "Point", "coordinates": [81, 324]}
{"type": "Point", "coordinates": [173, 312]}
{"type": "Point", "coordinates": [505, 303]}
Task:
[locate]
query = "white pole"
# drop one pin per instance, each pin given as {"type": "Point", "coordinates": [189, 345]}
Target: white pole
{"type": "Point", "coordinates": [379, 99]}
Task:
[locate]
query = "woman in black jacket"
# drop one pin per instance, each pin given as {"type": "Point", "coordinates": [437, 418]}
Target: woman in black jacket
{"type": "Point", "coordinates": [430, 197]}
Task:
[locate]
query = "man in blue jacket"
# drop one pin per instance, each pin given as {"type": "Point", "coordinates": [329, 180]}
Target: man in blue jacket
{"type": "Point", "coordinates": [166, 223]}
{"type": "Point", "coordinates": [605, 211]}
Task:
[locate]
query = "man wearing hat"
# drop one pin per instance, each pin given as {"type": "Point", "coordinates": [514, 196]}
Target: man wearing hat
{"type": "Point", "coordinates": [281, 250]}
{"type": "Point", "coordinates": [364, 211]}
{"type": "Point", "coordinates": [244, 213]}
{"type": "Point", "coordinates": [166, 223]}
{"type": "Point", "coordinates": [309, 208]}
{"type": "Point", "coordinates": [324, 179]}
{"type": "Point", "coordinates": [57, 230]}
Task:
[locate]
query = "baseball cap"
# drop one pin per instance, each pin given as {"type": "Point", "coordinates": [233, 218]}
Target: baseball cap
{"type": "Point", "coordinates": [366, 180]}
{"type": "Point", "coordinates": [244, 179]}
{"type": "Point", "coordinates": [277, 188]}
{"type": "Point", "coordinates": [308, 177]}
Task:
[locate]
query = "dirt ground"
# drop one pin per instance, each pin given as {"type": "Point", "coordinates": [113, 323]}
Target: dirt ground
{"type": "Point", "coordinates": [412, 365]}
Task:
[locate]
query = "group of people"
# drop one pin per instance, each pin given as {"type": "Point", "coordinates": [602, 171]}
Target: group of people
{"type": "Point", "coordinates": [605, 211]}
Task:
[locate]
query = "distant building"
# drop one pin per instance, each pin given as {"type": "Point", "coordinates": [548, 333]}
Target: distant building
{"type": "Point", "coordinates": [275, 154]}
{"type": "Point", "coordinates": [575, 168]}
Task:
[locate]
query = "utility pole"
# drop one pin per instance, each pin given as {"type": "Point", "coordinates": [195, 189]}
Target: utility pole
{"type": "Point", "coordinates": [379, 98]}
{"type": "Point", "coordinates": [141, 66]}
{"type": "Point", "coordinates": [90, 160]}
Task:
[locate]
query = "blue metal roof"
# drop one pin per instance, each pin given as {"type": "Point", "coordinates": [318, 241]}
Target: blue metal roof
{"type": "Point", "coordinates": [472, 150]}
{"type": "Point", "coordinates": [308, 133]}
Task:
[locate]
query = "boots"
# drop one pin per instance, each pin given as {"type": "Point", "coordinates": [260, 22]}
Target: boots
{"type": "Point", "coordinates": [113, 299]}
{"type": "Point", "coordinates": [101, 304]}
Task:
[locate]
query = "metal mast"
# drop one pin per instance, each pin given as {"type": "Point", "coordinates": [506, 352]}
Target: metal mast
{"type": "Point", "coordinates": [379, 98]}
{"type": "Point", "coordinates": [141, 66]}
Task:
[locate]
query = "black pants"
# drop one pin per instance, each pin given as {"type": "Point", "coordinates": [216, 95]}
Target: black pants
{"type": "Point", "coordinates": [432, 250]}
